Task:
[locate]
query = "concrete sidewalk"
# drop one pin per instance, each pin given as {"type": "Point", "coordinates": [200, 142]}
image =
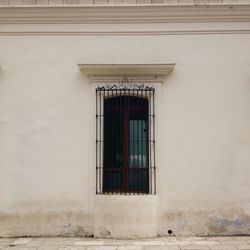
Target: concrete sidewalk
{"type": "Point", "coordinates": [171, 243]}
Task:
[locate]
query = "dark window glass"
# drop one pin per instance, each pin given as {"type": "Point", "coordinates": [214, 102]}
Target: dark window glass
{"type": "Point", "coordinates": [126, 167]}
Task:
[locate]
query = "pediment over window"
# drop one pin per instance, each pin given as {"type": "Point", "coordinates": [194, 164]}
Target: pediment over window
{"type": "Point", "coordinates": [113, 72]}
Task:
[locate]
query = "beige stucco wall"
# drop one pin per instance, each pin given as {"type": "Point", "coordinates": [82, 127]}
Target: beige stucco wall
{"type": "Point", "coordinates": [47, 136]}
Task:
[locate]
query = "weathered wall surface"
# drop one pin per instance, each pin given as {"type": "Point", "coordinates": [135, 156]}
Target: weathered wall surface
{"type": "Point", "coordinates": [47, 137]}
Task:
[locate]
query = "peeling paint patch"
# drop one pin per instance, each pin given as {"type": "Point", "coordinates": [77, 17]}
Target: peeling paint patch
{"type": "Point", "coordinates": [67, 230]}
{"type": "Point", "coordinates": [104, 232]}
{"type": "Point", "coordinates": [71, 230]}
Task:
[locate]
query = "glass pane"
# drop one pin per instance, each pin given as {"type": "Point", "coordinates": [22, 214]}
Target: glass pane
{"type": "Point", "coordinates": [137, 143]}
{"type": "Point", "coordinates": [113, 140]}
{"type": "Point", "coordinates": [112, 180]}
{"type": "Point", "coordinates": [138, 181]}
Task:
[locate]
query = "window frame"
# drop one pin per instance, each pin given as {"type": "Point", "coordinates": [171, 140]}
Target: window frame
{"type": "Point", "coordinates": [120, 139]}
{"type": "Point", "coordinates": [122, 91]}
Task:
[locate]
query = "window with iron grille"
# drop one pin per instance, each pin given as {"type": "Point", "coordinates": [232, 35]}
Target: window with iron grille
{"type": "Point", "coordinates": [125, 139]}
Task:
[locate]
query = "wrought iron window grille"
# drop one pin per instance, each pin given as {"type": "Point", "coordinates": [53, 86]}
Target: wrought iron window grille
{"type": "Point", "coordinates": [125, 139]}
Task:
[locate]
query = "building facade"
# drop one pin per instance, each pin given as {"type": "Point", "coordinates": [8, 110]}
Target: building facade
{"type": "Point", "coordinates": [124, 119]}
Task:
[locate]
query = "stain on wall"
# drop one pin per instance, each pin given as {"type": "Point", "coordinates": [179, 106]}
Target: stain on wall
{"type": "Point", "coordinates": [46, 224]}
{"type": "Point", "coordinates": [67, 224]}
{"type": "Point", "coordinates": [222, 222]}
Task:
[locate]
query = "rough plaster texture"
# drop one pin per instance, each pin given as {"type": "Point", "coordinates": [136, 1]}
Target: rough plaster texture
{"type": "Point", "coordinates": [47, 136]}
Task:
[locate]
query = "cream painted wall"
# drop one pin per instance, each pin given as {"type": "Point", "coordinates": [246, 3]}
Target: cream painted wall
{"type": "Point", "coordinates": [47, 137]}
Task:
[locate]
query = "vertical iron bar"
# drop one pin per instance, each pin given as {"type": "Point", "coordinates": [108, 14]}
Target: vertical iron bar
{"type": "Point", "coordinates": [124, 143]}
{"type": "Point", "coordinates": [113, 138]}
{"type": "Point", "coordinates": [138, 145]}
{"type": "Point", "coordinates": [141, 110]}
{"type": "Point", "coordinates": [121, 141]}
{"type": "Point", "coordinates": [96, 139]}
{"type": "Point", "coordinates": [154, 140]}
{"type": "Point", "coordinates": [147, 144]}
{"type": "Point", "coordinates": [100, 139]}
{"type": "Point", "coordinates": [133, 141]}
{"type": "Point", "coordinates": [148, 141]}
{"type": "Point", "coordinates": [117, 135]}
{"type": "Point", "coordinates": [129, 149]}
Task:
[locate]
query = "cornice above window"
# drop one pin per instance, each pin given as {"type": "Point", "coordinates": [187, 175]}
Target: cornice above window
{"type": "Point", "coordinates": [115, 72]}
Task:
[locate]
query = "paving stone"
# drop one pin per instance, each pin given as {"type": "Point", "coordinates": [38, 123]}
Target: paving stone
{"type": "Point", "coordinates": [5, 241]}
{"type": "Point", "coordinates": [234, 242]}
{"type": "Point", "coordinates": [19, 248]}
{"type": "Point", "coordinates": [101, 248]}
{"type": "Point", "coordinates": [56, 242]}
{"type": "Point", "coordinates": [129, 247]}
{"type": "Point", "coordinates": [225, 247]}
{"type": "Point", "coordinates": [152, 243]}
{"type": "Point", "coordinates": [47, 248]}
{"type": "Point", "coordinates": [20, 241]}
{"type": "Point", "coordinates": [35, 243]}
{"type": "Point", "coordinates": [241, 247]}
{"type": "Point", "coordinates": [205, 242]}
{"type": "Point", "coordinates": [238, 237]}
{"type": "Point", "coordinates": [118, 242]}
{"type": "Point", "coordinates": [71, 248]}
{"type": "Point", "coordinates": [161, 248]}
{"type": "Point", "coordinates": [181, 242]}
{"type": "Point", "coordinates": [89, 243]}
{"type": "Point", "coordinates": [220, 238]}
{"type": "Point", "coordinates": [194, 247]}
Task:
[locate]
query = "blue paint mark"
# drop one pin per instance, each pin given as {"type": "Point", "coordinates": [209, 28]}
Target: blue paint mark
{"type": "Point", "coordinates": [234, 223]}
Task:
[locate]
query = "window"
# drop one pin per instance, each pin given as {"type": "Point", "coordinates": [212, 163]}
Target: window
{"type": "Point", "coordinates": [125, 142]}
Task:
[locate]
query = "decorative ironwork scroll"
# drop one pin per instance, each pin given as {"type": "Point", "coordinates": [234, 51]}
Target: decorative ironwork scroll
{"type": "Point", "coordinates": [125, 86]}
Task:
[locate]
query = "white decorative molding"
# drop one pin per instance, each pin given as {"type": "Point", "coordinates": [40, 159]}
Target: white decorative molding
{"type": "Point", "coordinates": [125, 20]}
{"type": "Point", "coordinates": [136, 72]}
{"type": "Point", "coordinates": [126, 14]}
{"type": "Point", "coordinates": [125, 29]}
